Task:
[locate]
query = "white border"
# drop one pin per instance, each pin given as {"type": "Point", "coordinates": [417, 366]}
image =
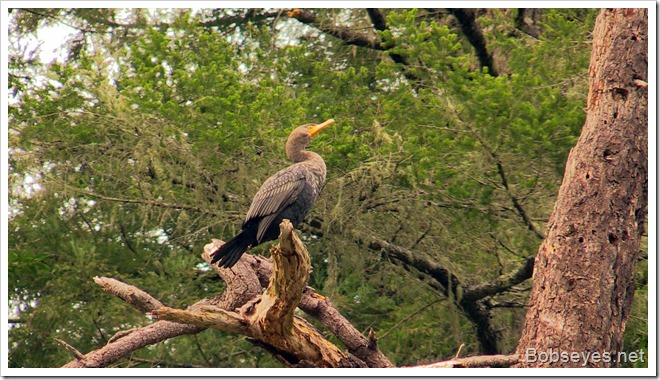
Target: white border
{"type": "Point", "coordinates": [652, 227]}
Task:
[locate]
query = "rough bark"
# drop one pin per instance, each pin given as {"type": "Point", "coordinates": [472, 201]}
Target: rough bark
{"type": "Point", "coordinates": [583, 286]}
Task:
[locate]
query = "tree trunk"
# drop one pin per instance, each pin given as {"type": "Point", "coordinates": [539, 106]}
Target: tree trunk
{"type": "Point", "coordinates": [583, 286]}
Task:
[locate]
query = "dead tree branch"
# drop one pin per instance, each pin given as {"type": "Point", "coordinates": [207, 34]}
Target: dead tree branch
{"type": "Point", "coordinates": [243, 309]}
{"type": "Point", "coordinates": [270, 318]}
{"type": "Point", "coordinates": [441, 274]}
{"type": "Point", "coordinates": [139, 338]}
{"type": "Point", "coordinates": [137, 298]}
{"type": "Point", "coordinates": [266, 318]}
{"type": "Point", "coordinates": [475, 362]}
{"type": "Point", "coordinates": [321, 308]}
{"type": "Point", "coordinates": [241, 287]}
{"type": "Point", "coordinates": [364, 348]}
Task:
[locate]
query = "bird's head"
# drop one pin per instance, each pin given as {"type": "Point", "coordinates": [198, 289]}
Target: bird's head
{"type": "Point", "coordinates": [310, 130]}
{"type": "Point", "coordinates": [301, 136]}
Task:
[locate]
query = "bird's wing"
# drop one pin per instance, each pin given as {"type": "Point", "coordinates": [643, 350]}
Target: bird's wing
{"type": "Point", "coordinates": [277, 192]}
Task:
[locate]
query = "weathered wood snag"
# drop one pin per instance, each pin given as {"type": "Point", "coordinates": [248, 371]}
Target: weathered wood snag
{"type": "Point", "coordinates": [583, 286]}
{"type": "Point", "coordinates": [243, 304]}
{"type": "Point", "coordinates": [270, 319]}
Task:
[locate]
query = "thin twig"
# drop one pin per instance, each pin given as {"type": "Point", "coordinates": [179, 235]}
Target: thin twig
{"type": "Point", "coordinates": [72, 350]}
{"type": "Point", "coordinates": [408, 318]}
{"type": "Point", "coordinates": [84, 30]}
{"type": "Point", "coordinates": [458, 353]}
{"type": "Point", "coordinates": [145, 202]}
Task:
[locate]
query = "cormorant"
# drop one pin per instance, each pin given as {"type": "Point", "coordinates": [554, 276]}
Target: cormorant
{"type": "Point", "coordinates": [288, 194]}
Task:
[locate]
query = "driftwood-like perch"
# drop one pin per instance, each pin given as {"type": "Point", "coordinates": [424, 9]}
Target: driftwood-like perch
{"type": "Point", "coordinates": [265, 317]}
{"type": "Point", "coordinates": [244, 285]}
{"type": "Point", "coordinates": [270, 318]}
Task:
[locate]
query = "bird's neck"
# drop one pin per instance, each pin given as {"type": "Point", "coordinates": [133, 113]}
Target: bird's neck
{"type": "Point", "coordinates": [299, 154]}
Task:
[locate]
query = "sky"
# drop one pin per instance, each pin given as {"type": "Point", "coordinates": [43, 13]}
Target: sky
{"type": "Point", "coordinates": [51, 39]}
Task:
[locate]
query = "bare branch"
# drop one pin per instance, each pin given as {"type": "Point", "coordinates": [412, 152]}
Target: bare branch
{"type": "Point", "coordinates": [76, 354]}
{"type": "Point", "coordinates": [475, 362]}
{"type": "Point", "coordinates": [208, 316]}
{"type": "Point", "coordinates": [346, 35]}
{"type": "Point", "coordinates": [244, 282]}
{"type": "Point", "coordinates": [241, 280]}
{"type": "Point", "coordinates": [135, 297]}
{"type": "Point", "coordinates": [502, 283]}
{"type": "Point", "coordinates": [240, 288]}
{"type": "Point", "coordinates": [472, 31]}
{"type": "Point", "coordinates": [321, 308]}
{"type": "Point", "coordinates": [145, 336]}
{"type": "Point", "coordinates": [441, 274]}
{"type": "Point", "coordinates": [357, 344]}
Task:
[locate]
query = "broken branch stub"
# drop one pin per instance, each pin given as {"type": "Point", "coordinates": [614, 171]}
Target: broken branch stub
{"type": "Point", "coordinates": [291, 266]}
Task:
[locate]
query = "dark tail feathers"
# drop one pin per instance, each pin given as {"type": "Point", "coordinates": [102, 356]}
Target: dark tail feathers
{"type": "Point", "coordinates": [229, 253]}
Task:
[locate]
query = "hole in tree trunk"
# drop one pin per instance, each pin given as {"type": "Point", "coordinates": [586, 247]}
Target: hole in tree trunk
{"type": "Point", "coordinates": [612, 238]}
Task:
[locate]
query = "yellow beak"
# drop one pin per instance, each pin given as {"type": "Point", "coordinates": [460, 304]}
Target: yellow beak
{"type": "Point", "coordinates": [319, 127]}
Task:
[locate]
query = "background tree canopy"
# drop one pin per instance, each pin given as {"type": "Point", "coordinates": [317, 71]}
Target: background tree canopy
{"type": "Point", "coordinates": [126, 158]}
